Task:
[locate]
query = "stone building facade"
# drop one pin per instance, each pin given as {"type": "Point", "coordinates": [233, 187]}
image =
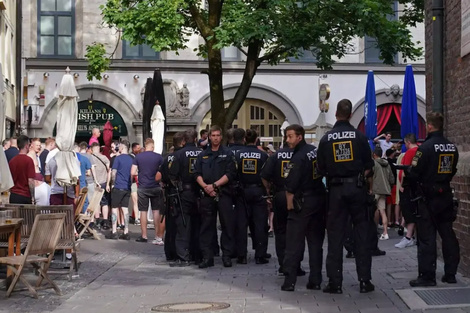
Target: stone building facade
{"type": "Point", "coordinates": [56, 34]}
{"type": "Point", "coordinates": [456, 106]}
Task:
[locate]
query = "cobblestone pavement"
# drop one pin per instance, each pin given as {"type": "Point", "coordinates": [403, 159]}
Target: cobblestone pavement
{"type": "Point", "coordinates": [120, 276]}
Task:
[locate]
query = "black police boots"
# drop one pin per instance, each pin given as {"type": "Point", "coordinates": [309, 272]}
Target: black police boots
{"type": "Point", "coordinates": [350, 255]}
{"type": "Point", "coordinates": [422, 281]}
{"type": "Point", "coordinates": [331, 288]}
{"type": "Point", "coordinates": [241, 260]}
{"type": "Point", "coordinates": [366, 286]}
{"type": "Point", "coordinates": [450, 279]}
{"type": "Point", "coordinates": [227, 261]}
{"type": "Point", "coordinates": [313, 286]}
{"type": "Point", "coordinates": [206, 263]}
{"type": "Point", "coordinates": [287, 287]}
{"type": "Point", "coordinates": [261, 261]}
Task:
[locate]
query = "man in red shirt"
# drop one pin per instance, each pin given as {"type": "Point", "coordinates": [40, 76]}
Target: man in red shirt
{"type": "Point", "coordinates": [406, 195]}
{"type": "Point", "coordinates": [23, 173]}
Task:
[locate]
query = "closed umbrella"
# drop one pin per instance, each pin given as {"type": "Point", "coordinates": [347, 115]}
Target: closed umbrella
{"type": "Point", "coordinates": [284, 125]}
{"type": "Point", "coordinates": [370, 110]}
{"type": "Point", "coordinates": [68, 169]}
{"type": "Point", "coordinates": [409, 106]}
{"type": "Point", "coordinates": [107, 138]}
{"type": "Point", "coordinates": [6, 181]}
{"type": "Point", "coordinates": [157, 122]}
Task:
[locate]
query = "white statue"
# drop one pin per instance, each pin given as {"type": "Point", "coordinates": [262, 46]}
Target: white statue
{"type": "Point", "coordinates": [157, 124]}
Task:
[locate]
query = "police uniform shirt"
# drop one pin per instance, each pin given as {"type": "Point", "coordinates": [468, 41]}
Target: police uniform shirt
{"type": "Point", "coordinates": [212, 165]}
{"type": "Point", "coordinates": [184, 164]}
{"type": "Point", "coordinates": [344, 152]}
{"type": "Point", "coordinates": [250, 161]}
{"type": "Point", "coordinates": [164, 168]}
{"type": "Point", "coordinates": [435, 160]}
{"type": "Point", "coordinates": [302, 170]}
{"type": "Point", "coordinates": [276, 167]}
{"type": "Point", "coordinates": [235, 147]}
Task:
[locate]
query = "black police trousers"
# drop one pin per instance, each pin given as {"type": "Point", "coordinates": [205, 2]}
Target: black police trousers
{"type": "Point", "coordinates": [186, 221]}
{"type": "Point", "coordinates": [241, 226]}
{"type": "Point", "coordinates": [257, 209]}
{"type": "Point", "coordinates": [170, 234]}
{"type": "Point", "coordinates": [208, 230]}
{"type": "Point", "coordinates": [437, 215]}
{"type": "Point", "coordinates": [346, 201]}
{"type": "Point", "coordinates": [280, 226]}
{"type": "Point", "coordinates": [308, 224]}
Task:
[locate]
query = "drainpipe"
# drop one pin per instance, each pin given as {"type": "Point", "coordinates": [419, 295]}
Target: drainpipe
{"type": "Point", "coordinates": [19, 71]}
{"type": "Point", "coordinates": [437, 55]}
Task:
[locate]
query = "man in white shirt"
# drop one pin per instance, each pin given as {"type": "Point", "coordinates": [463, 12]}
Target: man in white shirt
{"type": "Point", "coordinates": [386, 143]}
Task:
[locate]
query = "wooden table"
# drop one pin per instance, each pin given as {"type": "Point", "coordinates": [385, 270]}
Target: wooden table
{"type": "Point", "coordinates": [14, 231]}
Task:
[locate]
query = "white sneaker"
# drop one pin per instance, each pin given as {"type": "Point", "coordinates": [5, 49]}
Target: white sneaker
{"type": "Point", "coordinates": [158, 241]}
{"type": "Point", "coordinates": [411, 242]}
{"type": "Point", "coordinates": [403, 243]}
{"type": "Point", "coordinates": [384, 237]}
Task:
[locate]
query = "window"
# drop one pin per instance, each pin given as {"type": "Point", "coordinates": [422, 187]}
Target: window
{"type": "Point", "coordinates": [304, 56]}
{"type": "Point", "coordinates": [143, 51]}
{"type": "Point", "coordinates": [230, 54]}
{"type": "Point", "coordinates": [56, 28]}
{"type": "Point", "coordinates": [371, 51]}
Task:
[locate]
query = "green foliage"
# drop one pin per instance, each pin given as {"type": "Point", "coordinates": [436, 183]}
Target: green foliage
{"type": "Point", "coordinates": [98, 62]}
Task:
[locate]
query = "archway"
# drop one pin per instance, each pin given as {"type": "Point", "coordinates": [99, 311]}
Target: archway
{"type": "Point", "coordinates": [257, 114]}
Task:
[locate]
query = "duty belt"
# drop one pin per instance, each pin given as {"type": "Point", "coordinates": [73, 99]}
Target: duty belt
{"type": "Point", "coordinates": [188, 187]}
{"type": "Point", "coordinates": [252, 185]}
{"type": "Point", "coordinates": [342, 180]}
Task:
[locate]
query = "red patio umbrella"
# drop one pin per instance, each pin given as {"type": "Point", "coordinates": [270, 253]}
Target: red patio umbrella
{"type": "Point", "coordinates": [107, 138]}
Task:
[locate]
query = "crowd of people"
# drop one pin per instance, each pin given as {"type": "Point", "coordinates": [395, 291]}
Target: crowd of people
{"type": "Point", "coordinates": [343, 189]}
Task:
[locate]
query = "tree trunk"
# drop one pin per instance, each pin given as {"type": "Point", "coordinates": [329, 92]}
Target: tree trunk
{"type": "Point", "coordinates": [216, 85]}
{"type": "Point", "coordinates": [252, 64]}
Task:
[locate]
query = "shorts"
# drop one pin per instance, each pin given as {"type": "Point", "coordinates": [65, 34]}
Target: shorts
{"type": "Point", "coordinates": [380, 201]}
{"type": "Point", "coordinates": [392, 199]}
{"type": "Point", "coordinates": [407, 208]}
{"type": "Point", "coordinates": [154, 195]}
{"type": "Point", "coordinates": [105, 200]}
{"type": "Point", "coordinates": [134, 187]}
{"type": "Point", "coordinates": [120, 198]}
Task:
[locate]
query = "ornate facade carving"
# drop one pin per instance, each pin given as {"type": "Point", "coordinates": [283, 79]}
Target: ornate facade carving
{"type": "Point", "coordinates": [394, 92]}
{"type": "Point", "coordinates": [177, 99]}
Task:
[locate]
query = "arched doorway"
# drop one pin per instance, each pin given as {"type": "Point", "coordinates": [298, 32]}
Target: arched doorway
{"type": "Point", "coordinates": [389, 120]}
{"type": "Point", "coordinates": [259, 115]}
{"type": "Point", "coordinates": [94, 114]}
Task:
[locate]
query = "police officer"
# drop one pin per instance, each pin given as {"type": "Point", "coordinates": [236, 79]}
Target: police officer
{"type": "Point", "coordinates": [215, 167]}
{"type": "Point", "coordinates": [169, 212]}
{"type": "Point", "coordinates": [306, 206]}
{"type": "Point", "coordinates": [187, 220]}
{"type": "Point", "coordinates": [344, 156]}
{"type": "Point", "coordinates": [433, 167]}
{"type": "Point", "coordinates": [272, 176]}
{"type": "Point", "coordinates": [236, 142]}
{"type": "Point", "coordinates": [250, 161]}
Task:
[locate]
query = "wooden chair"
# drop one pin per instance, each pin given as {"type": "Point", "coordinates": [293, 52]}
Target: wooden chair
{"type": "Point", "coordinates": [39, 252]}
{"type": "Point", "coordinates": [67, 236]}
{"type": "Point", "coordinates": [81, 201]}
{"type": "Point", "coordinates": [83, 220]}
{"type": "Point", "coordinates": [27, 212]}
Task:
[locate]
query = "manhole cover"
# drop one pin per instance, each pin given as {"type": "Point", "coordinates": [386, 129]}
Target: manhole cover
{"type": "Point", "coordinates": [191, 307]}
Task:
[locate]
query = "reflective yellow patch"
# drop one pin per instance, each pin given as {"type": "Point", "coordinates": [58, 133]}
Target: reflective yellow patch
{"type": "Point", "coordinates": [250, 166]}
{"type": "Point", "coordinates": [284, 168]}
{"type": "Point", "coordinates": [343, 151]}
{"type": "Point", "coordinates": [315, 171]}
{"type": "Point", "coordinates": [445, 163]}
{"type": "Point", "coordinates": [192, 165]}
{"type": "Point", "coordinates": [205, 157]}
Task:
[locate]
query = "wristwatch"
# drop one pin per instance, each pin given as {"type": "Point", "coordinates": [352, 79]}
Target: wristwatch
{"type": "Point", "coordinates": [214, 185]}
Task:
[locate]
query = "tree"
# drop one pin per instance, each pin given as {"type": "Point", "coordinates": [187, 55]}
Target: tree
{"type": "Point", "coordinates": [265, 31]}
